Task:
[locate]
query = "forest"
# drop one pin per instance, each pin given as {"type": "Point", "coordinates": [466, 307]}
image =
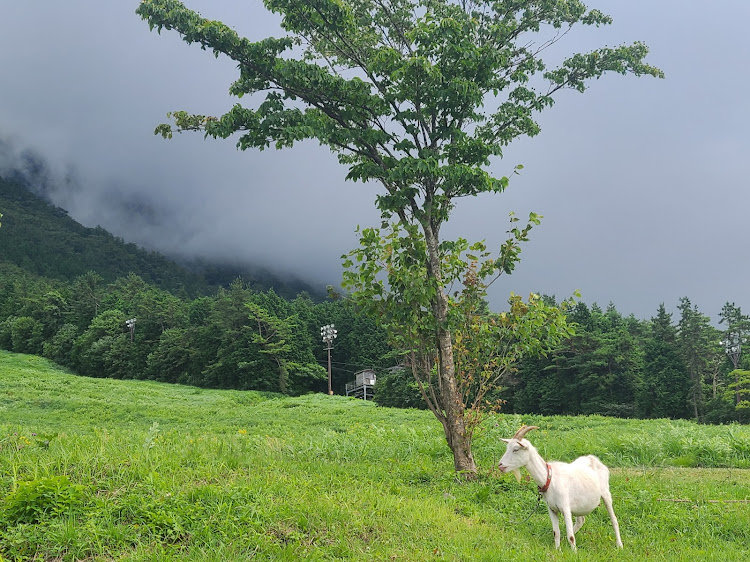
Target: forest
{"type": "Point", "coordinates": [246, 337]}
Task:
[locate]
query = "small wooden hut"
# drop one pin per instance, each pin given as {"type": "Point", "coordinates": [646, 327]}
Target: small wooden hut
{"type": "Point", "coordinates": [363, 386]}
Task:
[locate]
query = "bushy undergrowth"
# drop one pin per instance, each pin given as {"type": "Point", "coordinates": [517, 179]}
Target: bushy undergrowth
{"type": "Point", "coordinates": [102, 470]}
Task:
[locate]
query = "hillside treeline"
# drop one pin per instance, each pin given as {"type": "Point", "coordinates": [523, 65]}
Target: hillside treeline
{"type": "Point", "coordinates": [243, 339]}
{"type": "Point", "coordinates": [665, 367]}
{"type": "Point", "coordinates": [237, 338]}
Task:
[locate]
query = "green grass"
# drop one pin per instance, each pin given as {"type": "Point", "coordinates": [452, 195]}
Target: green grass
{"type": "Point", "coordinates": [96, 469]}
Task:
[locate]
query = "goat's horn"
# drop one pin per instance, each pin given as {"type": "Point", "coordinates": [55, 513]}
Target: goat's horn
{"type": "Point", "coordinates": [523, 431]}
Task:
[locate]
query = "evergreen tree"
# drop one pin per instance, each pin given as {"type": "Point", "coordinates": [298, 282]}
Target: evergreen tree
{"type": "Point", "coordinates": [697, 341]}
{"type": "Point", "coordinates": [735, 336]}
{"type": "Point", "coordinates": [174, 358]}
{"type": "Point", "coordinates": [666, 383]}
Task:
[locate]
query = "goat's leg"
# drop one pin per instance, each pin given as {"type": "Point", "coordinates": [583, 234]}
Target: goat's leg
{"type": "Point", "coordinates": [580, 520]}
{"type": "Point", "coordinates": [607, 497]}
{"type": "Point", "coordinates": [555, 527]}
{"type": "Point", "coordinates": [569, 530]}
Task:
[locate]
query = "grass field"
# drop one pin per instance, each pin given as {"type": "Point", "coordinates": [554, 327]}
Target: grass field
{"type": "Point", "coordinates": [96, 469]}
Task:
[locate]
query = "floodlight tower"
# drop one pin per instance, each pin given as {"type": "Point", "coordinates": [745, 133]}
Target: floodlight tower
{"type": "Point", "coordinates": [733, 347]}
{"type": "Point", "coordinates": [328, 333]}
{"type": "Point", "coordinates": [131, 326]}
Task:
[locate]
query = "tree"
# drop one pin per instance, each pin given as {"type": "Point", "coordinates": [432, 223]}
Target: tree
{"type": "Point", "coordinates": [697, 341]}
{"type": "Point", "coordinates": [402, 92]}
{"type": "Point", "coordinates": [666, 386]}
{"type": "Point", "coordinates": [60, 346]}
{"type": "Point", "coordinates": [549, 385]}
{"type": "Point", "coordinates": [173, 358]}
{"type": "Point", "coordinates": [611, 373]}
{"type": "Point", "coordinates": [272, 334]}
{"type": "Point", "coordinates": [282, 339]}
{"type": "Point", "coordinates": [596, 371]}
{"type": "Point", "coordinates": [86, 296]}
{"type": "Point", "coordinates": [735, 335]}
{"type": "Point", "coordinates": [397, 388]}
{"type": "Point", "coordinates": [91, 353]}
{"type": "Point", "coordinates": [741, 388]}
{"type": "Point", "coordinates": [484, 347]}
{"type": "Point", "coordinates": [226, 347]}
{"type": "Point", "coordinates": [27, 335]}
{"type": "Point", "coordinates": [488, 347]}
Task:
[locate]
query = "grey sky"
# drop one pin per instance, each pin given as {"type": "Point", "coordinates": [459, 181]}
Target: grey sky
{"type": "Point", "coordinates": [642, 182]}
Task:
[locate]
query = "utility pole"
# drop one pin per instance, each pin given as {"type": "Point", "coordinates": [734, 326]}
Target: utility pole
{"type": "Point", "coordinates": [328, 333]}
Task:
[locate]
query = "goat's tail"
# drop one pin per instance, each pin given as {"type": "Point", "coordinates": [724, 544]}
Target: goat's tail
{"type": "Point", "coordinates": [601, 469]}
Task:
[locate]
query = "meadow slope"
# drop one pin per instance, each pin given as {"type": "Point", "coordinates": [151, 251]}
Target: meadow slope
{"type": "Point", "coordinates": [99, 469]}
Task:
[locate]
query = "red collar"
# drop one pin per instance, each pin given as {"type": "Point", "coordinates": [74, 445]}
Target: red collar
{"type": "Point", "coordinates": [544, 488]}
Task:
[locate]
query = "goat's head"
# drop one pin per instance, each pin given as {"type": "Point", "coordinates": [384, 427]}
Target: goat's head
{"type": "Point", "coordinates": [516, 452]}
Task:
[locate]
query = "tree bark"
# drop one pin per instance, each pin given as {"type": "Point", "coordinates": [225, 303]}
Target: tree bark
{"type": "Point", "coordinates": [451, 400]}
{"type": "Point", "coordinates": [454, 424]}
{"type": "Point", "coordinates": [696, 390]}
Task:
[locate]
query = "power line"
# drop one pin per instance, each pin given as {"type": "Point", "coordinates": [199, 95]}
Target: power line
{"type": "Point", "coordinates": [359, 365]}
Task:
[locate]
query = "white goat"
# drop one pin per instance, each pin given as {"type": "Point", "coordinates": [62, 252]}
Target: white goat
{"type": "Point", "coordinates": [568, 488]}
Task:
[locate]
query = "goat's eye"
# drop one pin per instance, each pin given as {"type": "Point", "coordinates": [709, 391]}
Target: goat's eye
{"type": "Point", "coordinates": [516, 449]}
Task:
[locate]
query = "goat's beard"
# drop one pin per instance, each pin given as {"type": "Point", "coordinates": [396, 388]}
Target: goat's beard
{"type": "Point", "coordinates": [517, 473]}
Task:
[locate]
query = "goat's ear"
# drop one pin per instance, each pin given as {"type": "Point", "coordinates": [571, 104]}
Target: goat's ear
{"type": "Point", "coordinates": [520, 444]}
{"type": "Point", "coordinates": [505, 440]}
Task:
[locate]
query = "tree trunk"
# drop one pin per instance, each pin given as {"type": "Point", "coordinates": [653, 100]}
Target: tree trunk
{"type": "Point", "coordinates": [696, 390]}
{"type": "Point", "coordinates": [453, 406]}
{"type": "Point", "coordinates": [451, 401]}
{"type": "Point", "coordinates": [737, 380]}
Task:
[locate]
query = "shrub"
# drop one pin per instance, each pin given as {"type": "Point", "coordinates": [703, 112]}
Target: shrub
{"type": "Point", "coordinates": [398, 389]}
{"type": "Point", "coordinates": [32, 500]}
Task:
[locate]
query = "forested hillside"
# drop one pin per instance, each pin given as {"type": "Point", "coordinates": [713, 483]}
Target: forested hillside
{"type": "Point", "coordinates": [42, 239]}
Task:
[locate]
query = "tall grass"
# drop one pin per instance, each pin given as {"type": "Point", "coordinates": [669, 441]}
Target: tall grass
{"type": "Point", "coordinates": [109, 470]}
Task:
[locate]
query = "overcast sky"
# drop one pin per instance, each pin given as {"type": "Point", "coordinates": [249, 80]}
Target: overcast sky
{"type": "Point", "coordinates": [643, 182]}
